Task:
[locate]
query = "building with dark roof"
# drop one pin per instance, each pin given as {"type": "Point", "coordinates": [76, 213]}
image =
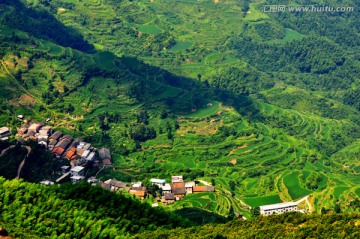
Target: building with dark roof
{"type": "Point", "coordinates": [105, 156]}
{"type": "Point", "coordinates": [4, 131]}
{"type": "Point", "coordinates": [115, 185]}
{"type": "Point", "coordinates": [68, 137]}
{"type": "Point", "coordinates": [52, 144]}
{"type": "Point", "coordinates": [56, 135]}
{"type": "Point", "coordinates": [178, 189]}
{"type": "Point", "coordinates": [169, 198]}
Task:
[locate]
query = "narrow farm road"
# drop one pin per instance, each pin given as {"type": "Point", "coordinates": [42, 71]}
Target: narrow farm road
{"type": "Point", "coordinates": [306, 199]}
{"type": "Point", "coordinates": [205, 183]}
{"type": "Point", "coordinates": [23, 162]}
{"type": "Point", "coordinates": [302, 199]}
{"type": "Point", "coordinates": [15, 81]}
{"type": "Point", "coordinates": [4, 150]}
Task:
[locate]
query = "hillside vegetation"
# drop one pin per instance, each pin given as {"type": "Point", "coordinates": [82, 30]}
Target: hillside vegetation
{"type": "Point", "coordinates": [77, 211]}
{"type": "Point", "coordinates": [84, 211]}
{"type": "Point", "coordinates": [279, 226]}
{"type": "Point", "coordinates": [265, 105]}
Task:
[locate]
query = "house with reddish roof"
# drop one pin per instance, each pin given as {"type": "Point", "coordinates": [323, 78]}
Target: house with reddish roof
{"type": "Point", "coordinates": [138, 193]}
{"type": "Point", "coordinates": [61, 146]}
{"type": "Point", "coordinates": [71, 154]}
{"type": "Point", "coordinates": [58, 151]}
{"type": "Point", "coordinates": [200, 189]}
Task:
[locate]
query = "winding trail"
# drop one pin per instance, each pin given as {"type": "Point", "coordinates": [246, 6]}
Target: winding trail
{"type": "Point", "coordinates": [23, 162]}
{"type": "Point", "coordinates": [99, 171]}
{"type": "Point", "coordinates": [205, 183]}
{"type": "Point", "coordinates": [307, 202]}
{"type": "Point", "coordinates": [4, 150]}
{"type": "Point", "coordinates": [302, 199]}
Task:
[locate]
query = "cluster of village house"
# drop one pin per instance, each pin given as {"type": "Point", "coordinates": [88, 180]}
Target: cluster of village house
{"type": "Point", "coordinates": [169, 192]}
{"type": "Point", "coordinates": [79, 153]}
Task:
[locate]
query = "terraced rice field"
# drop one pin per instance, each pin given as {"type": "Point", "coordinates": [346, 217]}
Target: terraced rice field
{"type": "Point", "coordinates": [209, 201]}
{"type": "Point", "coordinates": [292, 183]}
{"type": "Point", "coordinates": [260, 201]}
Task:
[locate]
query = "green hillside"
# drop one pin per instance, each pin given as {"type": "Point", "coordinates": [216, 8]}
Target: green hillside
{"type": "Point", "coordinates": [279, 226]}
{"type": "Point", "coordinates": [77, 211]}
{"type": "Point", "coordinates": [265, 106]}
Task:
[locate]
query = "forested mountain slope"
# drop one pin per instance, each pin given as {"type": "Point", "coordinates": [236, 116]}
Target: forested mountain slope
{"type": "Point", "coordinates": [84, 211]}
{"type": "Point", "coordinates": [279, 226]}
{"type": "Point", "coordinates": [78, 211]}
{"type": "Point", "coordinates": [264, 104]}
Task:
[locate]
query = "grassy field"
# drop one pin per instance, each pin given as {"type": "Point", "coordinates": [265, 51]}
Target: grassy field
{"type": "Point", "coordinates": [260, 201]}
{"type": "Point", "coordinates": [212, 202]}
{"type": "Point", "coordinates": [357, 191]}
{"type": "Point", "coordinates": [105, 60]}
{"type": "Point", "coordinates": [292, 183]}
{"type": "Point", "coordinates": [254, 14]}
{"type": "Point", "coordinates": [290, 35]}
{"type": "Point", "coordinates": [206, 110]}
{"type": "Point", "coordinates": [150, 29]}
{"type": "Point", "coordinates": [180, 46]}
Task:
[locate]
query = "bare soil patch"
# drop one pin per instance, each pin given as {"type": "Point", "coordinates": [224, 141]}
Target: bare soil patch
{"type": "Point", "coordinates": [233, 161]}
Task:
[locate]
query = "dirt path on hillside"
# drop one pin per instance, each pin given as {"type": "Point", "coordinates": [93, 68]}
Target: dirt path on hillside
{"type": "Point", "coordinates": [4, 150]}
{"type": "Point", "coordinates": [307, 202]}
{"type": "Point", "coordinates": [23, 162]}
{"type": "Point", "coordinates": [204, 182]}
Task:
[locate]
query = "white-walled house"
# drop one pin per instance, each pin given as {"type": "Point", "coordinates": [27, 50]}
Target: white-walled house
{"type": "Point", "coordinates": [166, 189]}
{"type": "Point", "coordinates": [278, 208]}
{"type": "Point", "coordinates": [77, 174]}
{"type": "Point", "coordinates": [189, 186]}
{"type": "Point", "coordinates": [77, 171]}
{"type": "Point", "coordinates": [159, 182]}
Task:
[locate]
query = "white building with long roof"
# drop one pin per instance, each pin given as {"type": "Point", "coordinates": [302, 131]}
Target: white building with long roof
{"type": "Point", "coordinates": [278, 208]}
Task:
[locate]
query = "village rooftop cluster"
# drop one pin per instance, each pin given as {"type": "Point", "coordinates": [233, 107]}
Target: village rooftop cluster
{"type": "Point", "coordinates": [170, 193]}
{"type": "Point", "coordinates": [79, 153]}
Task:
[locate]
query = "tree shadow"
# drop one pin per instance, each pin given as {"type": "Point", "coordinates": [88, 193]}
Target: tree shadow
{"type": "Point", "coordinates": [201, 91]}
{"type": "Point", "coordinates": [195, 93]}
{"type": "Point", "coordinates": [41, 24]}
{"type": "Point", "coordinates": [199, 216]}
